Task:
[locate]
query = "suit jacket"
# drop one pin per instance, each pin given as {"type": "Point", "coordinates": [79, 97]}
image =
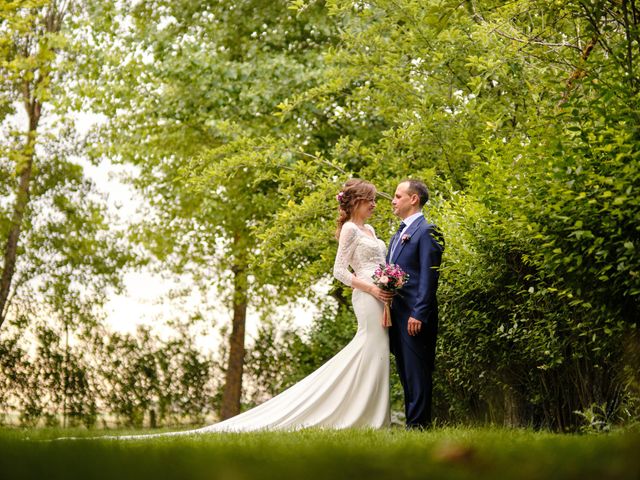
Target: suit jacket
{"type": "Point", "coordinates": [420, 256]}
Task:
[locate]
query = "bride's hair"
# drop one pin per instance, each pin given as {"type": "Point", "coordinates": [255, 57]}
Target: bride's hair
{"type": "Point", "coordinates": [353, 192]}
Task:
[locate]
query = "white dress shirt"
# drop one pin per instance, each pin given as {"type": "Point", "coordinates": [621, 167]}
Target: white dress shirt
{"type": "Point", "coordinates": [409, 220]}
{"type": "Point", "coordinates": [407, 223]}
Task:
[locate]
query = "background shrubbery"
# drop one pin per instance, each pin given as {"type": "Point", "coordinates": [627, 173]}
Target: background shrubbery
{"type": "Point", "coordinates": [243, 119]}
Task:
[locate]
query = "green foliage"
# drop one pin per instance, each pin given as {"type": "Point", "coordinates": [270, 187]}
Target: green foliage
{"type": "Point", "coordinates": [199, 82]}
{"type": "Point", "coordinates": [242, 120]}
{"type": "Point", "coordinates": [53, 385]}
{"type": "Point", "coordinates": [14, 368]}
{"type": "Point", "coordinates": [272, 363]}
{"type": "Point", "coordinates": [145, 379]}
{"type": "Point", "coordinates": [97, 375]}
{"type": "Point", "coordinates": [540, 289]}
{"type": "Point", "coordinates": [65, 248]}
{"type": "Point", "coordinates": [522, 118]}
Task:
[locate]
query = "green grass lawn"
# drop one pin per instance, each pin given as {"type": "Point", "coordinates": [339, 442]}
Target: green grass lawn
{"type": "Point", "coordinates": [448, 453]}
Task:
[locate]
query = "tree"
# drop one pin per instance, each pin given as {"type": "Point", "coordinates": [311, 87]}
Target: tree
{"type": "Point", "coordinates": [200, 82]}
{"type": "Point", "coordinates": [27, 65]}
{"type": "Point", "coordinates": [53, 225]}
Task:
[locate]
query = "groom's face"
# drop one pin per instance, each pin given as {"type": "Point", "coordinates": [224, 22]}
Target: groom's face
{"type": "Point", "coordinates": [403, 202]}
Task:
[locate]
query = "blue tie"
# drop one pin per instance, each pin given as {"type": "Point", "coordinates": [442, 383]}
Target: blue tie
{"type": "Point", "coordinates": [396, 239]}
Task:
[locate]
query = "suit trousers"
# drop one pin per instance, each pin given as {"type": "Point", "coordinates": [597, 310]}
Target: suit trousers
{"type": "Point", "coordinates": [414, 362]}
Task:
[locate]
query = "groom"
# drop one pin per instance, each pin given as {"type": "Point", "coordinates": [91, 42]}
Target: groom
{"type": "Point", "coordinates": [417, 248]}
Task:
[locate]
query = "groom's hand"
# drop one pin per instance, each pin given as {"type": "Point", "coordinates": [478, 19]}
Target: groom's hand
{"type": "Point", "coordinates": [414, 326]}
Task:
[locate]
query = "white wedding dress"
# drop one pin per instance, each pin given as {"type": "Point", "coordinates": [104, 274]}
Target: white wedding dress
{"type": "Point", "coordinates": [352, 388]}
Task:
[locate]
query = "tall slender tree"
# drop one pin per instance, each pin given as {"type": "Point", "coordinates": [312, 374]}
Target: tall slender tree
{"type": "Point", "coordinates": [28, 66]}
{"type": "Point", "coordinates": [54, 231]}
{"type": "Point", "coordinates": [188, 85]}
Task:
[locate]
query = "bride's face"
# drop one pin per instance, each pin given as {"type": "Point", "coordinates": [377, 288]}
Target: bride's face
{"type": "Point", "coordinates": [365, 209]}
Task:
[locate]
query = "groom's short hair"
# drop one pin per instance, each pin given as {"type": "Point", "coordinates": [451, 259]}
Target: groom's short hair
{"type": "Point", "coordinates": [419, 188]}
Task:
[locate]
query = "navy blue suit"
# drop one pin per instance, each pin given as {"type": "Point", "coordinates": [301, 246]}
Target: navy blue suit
{"type": "Point", "coordinates": [419, 255]}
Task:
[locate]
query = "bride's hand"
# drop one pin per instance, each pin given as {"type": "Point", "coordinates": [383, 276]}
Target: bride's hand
{"type": "Point", "coordinates": [382, 295]}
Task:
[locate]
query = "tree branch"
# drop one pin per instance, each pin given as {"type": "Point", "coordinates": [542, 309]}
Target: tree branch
{"type": "Point", "coordinates": [530, 41]}
{"type": "Point", "coordinates": [318, 160]}
{"type": "Point", "coordinates": [627, 29]}
{"type": "Point", "coordinates": [579, 72]}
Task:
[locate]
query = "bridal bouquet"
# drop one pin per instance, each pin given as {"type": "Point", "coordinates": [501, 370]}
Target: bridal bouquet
{"type": "Point", "coordinates": [392, 278]}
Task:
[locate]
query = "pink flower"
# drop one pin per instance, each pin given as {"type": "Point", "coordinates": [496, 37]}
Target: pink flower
{"type": "Point", "coordinates": [405, 238]}
{"type": "Point", "coordinates": [390, 277]}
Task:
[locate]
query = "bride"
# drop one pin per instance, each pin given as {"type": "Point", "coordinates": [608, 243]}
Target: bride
{"type": "Point", "coordinates": [352, 388]}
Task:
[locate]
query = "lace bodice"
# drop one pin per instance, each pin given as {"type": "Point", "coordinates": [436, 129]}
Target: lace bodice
{"type": "Point", "coordinates": [359, 251]}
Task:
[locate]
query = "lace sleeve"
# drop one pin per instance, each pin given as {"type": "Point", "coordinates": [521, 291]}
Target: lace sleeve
{"type": "Point", "coordinates": [346, 247]}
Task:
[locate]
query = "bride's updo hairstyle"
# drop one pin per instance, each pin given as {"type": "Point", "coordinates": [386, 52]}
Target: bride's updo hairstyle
{"type": "Point", "coordinates": [352, 194]}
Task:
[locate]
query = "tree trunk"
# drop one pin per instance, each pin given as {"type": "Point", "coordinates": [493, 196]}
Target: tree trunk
{"type": "Point", "coordinates": [52, 23]}
{"type": "Point", "coordinates": [25, 172]}
{"type": "Point", "coordinates": [233, 381]}
{"type": "Point", "coordinates": [65, 375]}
